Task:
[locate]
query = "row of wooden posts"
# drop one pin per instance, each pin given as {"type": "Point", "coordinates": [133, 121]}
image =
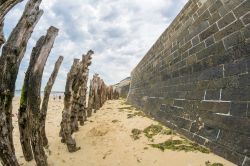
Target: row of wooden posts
{"type": "Point", "coordinates": [32, 112]}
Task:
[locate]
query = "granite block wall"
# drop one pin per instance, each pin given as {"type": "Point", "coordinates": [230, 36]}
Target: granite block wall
{"type": "Point", "coordinates": [196, 78]}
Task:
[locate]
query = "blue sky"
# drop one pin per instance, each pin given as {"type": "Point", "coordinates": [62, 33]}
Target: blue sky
{"type": "Point", "coordinates": [119, 31]}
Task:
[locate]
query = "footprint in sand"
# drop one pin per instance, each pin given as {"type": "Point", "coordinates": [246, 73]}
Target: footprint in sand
{"type": "Point", "coordinates": [100, 130]}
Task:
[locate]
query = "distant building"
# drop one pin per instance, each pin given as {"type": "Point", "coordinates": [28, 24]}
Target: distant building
{"type": "Point", "coordinates": [123, 87]}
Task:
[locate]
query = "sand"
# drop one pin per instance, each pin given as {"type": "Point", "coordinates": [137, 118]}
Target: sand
{"type": "Point", "coordinates": [105, 140]}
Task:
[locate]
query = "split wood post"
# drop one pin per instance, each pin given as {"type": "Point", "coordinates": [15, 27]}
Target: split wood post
{"type": "Point", "coordinates": [45, 102]}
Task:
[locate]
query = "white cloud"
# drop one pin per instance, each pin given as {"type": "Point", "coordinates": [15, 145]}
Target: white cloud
{"type": "Point", "coordinates": [120, 32]}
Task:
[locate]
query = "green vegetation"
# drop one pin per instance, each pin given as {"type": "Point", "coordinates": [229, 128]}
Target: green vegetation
{"type": "Point", "coordinates": [180, 145]}
{"type": "Point", "coordinates": [138, 113]}
{"type": "Point", "coordinates": [208, 163]}
{"type": "Point", "coordinates": [23, 99]}
{"type": "Point", "coordinates": [126, 108]}
{"type": "Point", "coordinates": [136, 134]}
{"type": "Point", "coordinates": [154, 130]}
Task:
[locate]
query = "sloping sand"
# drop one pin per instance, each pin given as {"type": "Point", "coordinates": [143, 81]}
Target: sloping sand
{"type": "Point", "coordinates": [105, 141]}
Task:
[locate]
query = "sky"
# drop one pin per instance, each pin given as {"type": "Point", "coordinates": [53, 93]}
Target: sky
{"type": "Point", "coordinates": [120, 32]}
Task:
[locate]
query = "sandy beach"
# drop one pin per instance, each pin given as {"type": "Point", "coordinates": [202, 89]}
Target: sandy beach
{"type": "Point", "coordinates": [105, 140]}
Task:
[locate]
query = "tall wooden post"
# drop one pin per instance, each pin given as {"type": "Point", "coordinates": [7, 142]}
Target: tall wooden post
{"type": "Point", "coordinates": [12, 55]}
{"type": "Point", "coordinates": [47, 92]}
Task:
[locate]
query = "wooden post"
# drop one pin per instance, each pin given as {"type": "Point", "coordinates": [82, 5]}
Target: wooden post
{"type": "Point", "coordinates": [99, 93]}
{"type": "Point", "coordinates": [23, 119]}
{"type": "Point", "coordinates": [47, 92]}
{"type": "Point", "coordinates": [12, 54]}
{"type": "Point", "coordinates": [90, 99]}
{"type": "Point", "coordinates": [42, 50]}
{"type": "Point", "coordinates": [5, 7]}
{"type": "Point", "coordinates": [80, 89]}
{"type": "Point", "coordinates": [66, 131]}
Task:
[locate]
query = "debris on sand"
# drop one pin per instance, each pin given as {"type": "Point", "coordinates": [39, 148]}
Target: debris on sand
{"type": "Point", "coordinates": [115, 121]}
{"type": "Point", "coordinates": [208, 163]}
{"type": "Point", "coordinates": [136, 134]}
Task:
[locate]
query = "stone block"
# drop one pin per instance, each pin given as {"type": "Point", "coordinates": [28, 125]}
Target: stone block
{"type": "Point", "coordinates": [175, 60]}
{"type": "Point", "coordinates": [236, 94]}
{"type": "Point", "coordinates": [214, 49]}
{"type": "Point", "coordinates": [238, 51]}
{"type": "Point", "coordinates": [195, 95]}
{"type": "Point", "coordinates": [196, 29]}
{"type": "Point", "coordinates": [222, 11]}
{"type": "Point", "coordinates": [186, 46]}
{"type": "Point", "coordinates": [246, 32]}
{"type": "Point", "coordinates": [236, 68]}
{"type": "Point", "coordinates": [208, 132]}
{"type": "Point", "coordinates": [203, 8]}
{"type": "Point", "coordinates": [238, 109]}
{"type": "Point", "coordinates": [217, 4]}
{"type": "Point", "coordinates": [211, 73]}
{"type": "Point", "coordinates": [214, 18]}
{"type": "Point", "coordinates": [179, 102]}
{"type": "Point", "coordinates": [228, 30]}
{"type": "Point", "coordinates": [215, 107]}
{"type": "Point", "coordinates": [182, 123]}
{"type": "Point", "coordinates": [233, 39]}
{"type": "Point", "coordinates": [246, 19]}
{"type": "Point", "coordinates": [195, 40]}
{"type": "Point", "coordinates": [184, 55]}
{"type": "Point", "coordinates": [226, 20]}
{"type": "Point", "coordinates": [226, 122]}
{"type": "Point", "coordinates": [209, 41]}
{"type": "Point", "coordinates": [226, 152]}
{"type": "Point", "coordinates": [185, 133]}
{"type": "Point", "coordinates": [212, 94]}
{"type": "Point", "coordinates": [198, 139]}
{"type": "Point", "coordinates": [197, 48]}
{"type": "Point", "coordinates": [242, 9]}
{"type": "Point", "coordinates": [236, 141]}
{"type": "Point", "coordinates": [208, 32]}
{"type": "Point", "coordinates": [220, 83]}
{"type": "Point", "coordinates": [174, 48]}
{"type": "Point", "coordinates": [191, 59]}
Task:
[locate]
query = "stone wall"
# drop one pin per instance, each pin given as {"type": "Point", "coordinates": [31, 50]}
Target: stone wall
{"type": "Point", "coordinates": [196, 78]}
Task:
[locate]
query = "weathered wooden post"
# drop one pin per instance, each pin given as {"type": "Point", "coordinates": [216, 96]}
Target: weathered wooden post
{"type": "Point", "coordinates": [47, 92]}
{"type": "Point", "coordinates": [5, 7]}
{"type": "Point", "coordinates": [90, 99]}
{"type": "Point", "coordinates": [82, 83]}
{"type": "Point", "coordinates": [12, 55]}
{"type": "Point", "coordinates": [66, 131]}
{"type": "Point", "coordinates": [23, 119]}
{"type": "Point", "coordinates": [41, 53]}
